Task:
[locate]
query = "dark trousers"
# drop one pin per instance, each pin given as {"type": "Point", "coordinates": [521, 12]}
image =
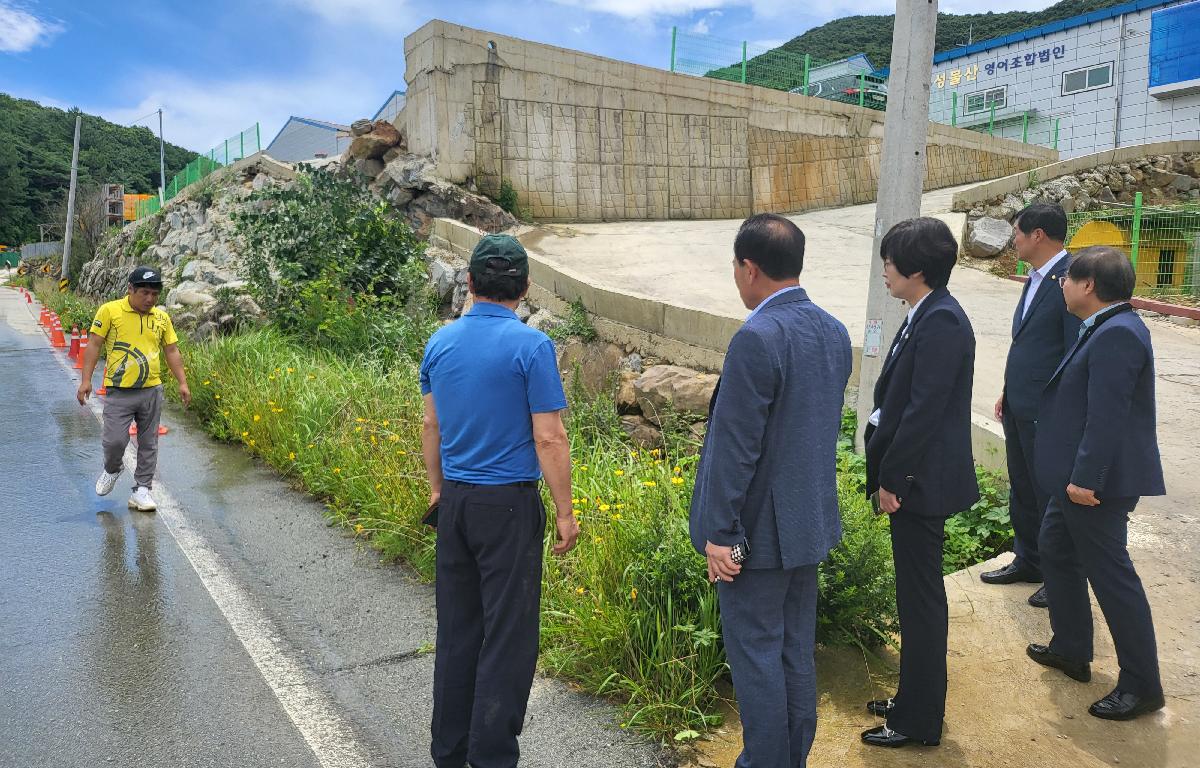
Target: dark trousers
{"type": "Point", "coordinates": [1026, 501]}
{"type": "Point", "coordinates": [1090, 544]}
{"type": "Point", "coordinates": [920, 701]}
{"type": "Point", "coordinates": [769, 623]}
{"type": "Point", "coordinates": [489, 584]}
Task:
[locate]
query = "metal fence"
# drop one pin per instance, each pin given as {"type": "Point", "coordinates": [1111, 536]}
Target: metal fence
{"type": "Point", "coordinates": [988, 112]}
{"type": "Point", "coordinates": [742, 62]}
{"type": "Point", "coordinates": [1163, 243]}
{"type": "Point", "coordinates": [229, 151]}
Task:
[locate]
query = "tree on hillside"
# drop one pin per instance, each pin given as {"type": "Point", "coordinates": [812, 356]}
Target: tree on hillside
{"type": "Point", "coordinates": [35, 161]}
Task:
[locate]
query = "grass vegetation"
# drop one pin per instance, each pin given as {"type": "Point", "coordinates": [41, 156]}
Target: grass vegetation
{"type": "Point", "coordinates": [328, 395]}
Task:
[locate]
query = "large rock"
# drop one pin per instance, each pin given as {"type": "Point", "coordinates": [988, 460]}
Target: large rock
{"type": "Point", "coordinates": [373, 145]}
{"type": "Point", "coordinates": [641, 431]}
{"type": "Point", "coordinates": [591, 366]}
{"type": "Point", "coordinates": [627, 393]}
{"type": "Point", "coordinates": [988, 237]}
{"type": "Point", "coordinates": [442, 275]}
{"type": "Point", "coordinates": [189, 294]}
{"type": "Point", "coordinates": [661, 388]}
{"type": "Point", "coordinates": [361, 127]}
{"type": "Point", "coordinates": [443, 199]}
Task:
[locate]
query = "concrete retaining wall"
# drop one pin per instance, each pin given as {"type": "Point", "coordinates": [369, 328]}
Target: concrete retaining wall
{"type": "Point", "coordinates": [584, 138]}
{"type": "Point", "coordinates": [965, 199]}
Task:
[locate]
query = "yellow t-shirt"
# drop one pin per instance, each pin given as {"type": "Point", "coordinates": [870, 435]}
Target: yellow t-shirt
{"type": "Point", "coordinates": [133, 343]}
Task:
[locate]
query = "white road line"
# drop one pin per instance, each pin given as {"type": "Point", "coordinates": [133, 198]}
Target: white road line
{"type": "Point", "coordinates": [327, 734]}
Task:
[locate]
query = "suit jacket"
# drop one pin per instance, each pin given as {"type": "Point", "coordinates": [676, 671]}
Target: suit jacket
{"type": "Point", "coordinates": [921, 450]}
{"type": "Point", "coordinates": [1096, 424]}
{"type": "Point", "coordinates": [767, 470]}
{"type": "Point", "coordinates": [1039, 341]}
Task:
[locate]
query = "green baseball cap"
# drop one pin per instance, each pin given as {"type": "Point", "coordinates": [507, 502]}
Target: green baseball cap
{"type": "Point", "coordinates": [503, 247]}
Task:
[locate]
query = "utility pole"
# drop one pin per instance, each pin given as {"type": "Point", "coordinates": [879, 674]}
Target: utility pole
{"type": "Point", "coordinates": [162, 164]}
{"type": "Point", "coordinates": [70, 227]}
{"type": "Point", "coordinates": [901, 177]}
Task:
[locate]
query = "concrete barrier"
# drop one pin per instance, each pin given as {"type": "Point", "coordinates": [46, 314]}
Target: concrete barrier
{"type": "Point", "coordinates": [966, 199]}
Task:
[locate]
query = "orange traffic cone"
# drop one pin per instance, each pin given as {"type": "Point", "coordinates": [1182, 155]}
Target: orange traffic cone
{"type": "Point", "coordinates": [73, 352]}
{"type": "Point", "coordinates": [28, 298]}
{"type": "Point", "coordinates": [103, 389]}
{"type": "Point", "coordinates": [44, 317]}
{"type": "Point", "coordinates": [57, 340]}
{"type": "Point", "coordinates": [83, 340]}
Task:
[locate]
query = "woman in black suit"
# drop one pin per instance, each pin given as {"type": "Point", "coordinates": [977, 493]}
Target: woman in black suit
{"type": "Point", "coordinates": [919, 465]}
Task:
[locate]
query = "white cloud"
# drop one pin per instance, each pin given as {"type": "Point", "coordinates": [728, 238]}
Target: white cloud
{"type": "Point", "coordinates": [643, 8]}
{"type": "Point", "coordinates": [198, 114]}
{"type": "Point", "coordinates": [387, 14]}
{"type": "Point", "coordinates": [700, 27]}
{"type": "Point", "coordinates": [21, 31]}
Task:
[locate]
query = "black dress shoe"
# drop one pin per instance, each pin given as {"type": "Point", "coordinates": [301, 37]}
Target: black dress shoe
{"type": "Point", "coordinates": [880, 707]}
{"type": "Point", "coordinates": [1038, 599]}
{"type": "Point", "coordinates": [1010, 574]}
{"type": "Point", "coordinates": [1076, 670]}
{"type": "Point", "coordinates": [886, 737]}
{"type": "Point", "coordinates": [1123, 705]}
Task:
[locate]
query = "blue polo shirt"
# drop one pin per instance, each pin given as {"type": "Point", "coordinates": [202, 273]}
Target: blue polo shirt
{"type": "Point", "coordinates": [488, 372]}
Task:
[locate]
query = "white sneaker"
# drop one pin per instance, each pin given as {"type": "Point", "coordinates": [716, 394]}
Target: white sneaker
{"type": "Point", "coordinates": [106, 482]}
{"type": "Point", "coordinates": [142, 501]}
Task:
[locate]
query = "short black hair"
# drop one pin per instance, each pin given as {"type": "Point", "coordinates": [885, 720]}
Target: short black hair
{"type": "Point", "coordinates": [772, 242]}
{"type": "Point", "coordinates": [924, 245]}
{"type": "Point", "coordinates": [498, 287]}
{"type": "Point", "coordinates": [1048, 217]}
{"type": "Point", "coordinates": [1108, 268]}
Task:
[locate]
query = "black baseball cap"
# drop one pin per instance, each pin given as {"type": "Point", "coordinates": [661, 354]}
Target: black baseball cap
{"type": "Point", "coordinates": [145, 276]}
{"type": "Point", "coordinates": [503, 247]}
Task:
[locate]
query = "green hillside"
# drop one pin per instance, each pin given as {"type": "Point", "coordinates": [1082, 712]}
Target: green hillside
{"type": "Point", "coordinates": [872, 35]}
{"type": "Point", "coordinates": [35, 161]}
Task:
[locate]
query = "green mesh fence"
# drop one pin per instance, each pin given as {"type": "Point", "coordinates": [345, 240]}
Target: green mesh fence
{"type": "Point", "coordinates": [229, 151]}
{"type": "Point", "coordinates": [741, 62]}
{"type": "Point", "coordinates": [1163, 243]}
{"type": "Point", "coordinates": [988, 111]}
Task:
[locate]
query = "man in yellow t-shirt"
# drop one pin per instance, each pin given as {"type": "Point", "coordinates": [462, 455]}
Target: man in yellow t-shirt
{"type": "Point", "coordinates": [134, 333]}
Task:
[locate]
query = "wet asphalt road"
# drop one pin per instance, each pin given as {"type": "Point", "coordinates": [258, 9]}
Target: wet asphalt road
{"type": "Point", "coordinates": [113, 651]}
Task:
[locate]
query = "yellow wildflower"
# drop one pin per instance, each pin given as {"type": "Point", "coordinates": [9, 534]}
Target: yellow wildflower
{"type": "Point", "coordinates": [620, 506]}
{"type": "Point", "coordinates": [358, 527]}
{"type": "Point", "coordinates": [393, 438]}
{"type": "Point", "coordinates": [649, 483]}
{"type": "Point", "coordinates": [583, 467]}
{"type": "Point", "coordinates": [678, 470]}
{"type": "Point", "coordinates": [386, 422]}
{"type": "Point", "coordinates": [311, 377]}
{"type": "Point", "coordinates": [360, 420]}
{"type": "Point", "coordinates": [310, 445]}
{"type": "Point", "coordinates": [676, 481]}
{"type": "Point", "coordinates": [358, 429]}
{"type": "Point", "coordinates": [599, 539]}
{"type": "Point", "coordinates": [271, 402]}
{"type": "Point", "coordinates": [224, 413]}
{"type": "Point", "coordinates": [617, 516]}
{"type": "Point", "coordinates": [633, 594]}
{"type": "Point", "coordinates": [292, 455]}
{"type": "Point", "coordinates": [579, 590]}
{"type": "Point", "coordinates": [337, 470]}
{"type": "Point", "coordinates": [206, 382]}
{"type": "Point", "coordinates": [245, 434]}
{"type": "Point", "coordinates": [603, 507]}
{"type": "Point", "coordinates": [654, 452]}
{"type": "Point", "coordinates": [619, 472]}
{"type": "Point", "coordinates": [252, 443]}
{"type": "Point", "coordinates": [257, 417]}
{"type": "Point", "coordinates": [291, 370]}
{"type": "Point", "coordinates": [216, 397]}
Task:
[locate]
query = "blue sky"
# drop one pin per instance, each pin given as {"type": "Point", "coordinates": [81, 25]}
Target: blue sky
{"type": "Point", "coordinates": [217, 67]}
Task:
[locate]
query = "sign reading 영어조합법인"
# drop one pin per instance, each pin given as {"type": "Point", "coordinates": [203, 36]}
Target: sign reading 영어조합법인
{"type": "Point", "coordinates": [970, 73]}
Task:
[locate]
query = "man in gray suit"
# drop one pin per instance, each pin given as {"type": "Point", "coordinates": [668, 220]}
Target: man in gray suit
{"type": "Point", "coordinates": [766, 492]}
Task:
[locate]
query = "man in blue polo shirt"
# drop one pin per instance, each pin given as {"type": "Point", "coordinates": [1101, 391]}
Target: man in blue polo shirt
{"type": "Point", "coordinates": [493, 427]}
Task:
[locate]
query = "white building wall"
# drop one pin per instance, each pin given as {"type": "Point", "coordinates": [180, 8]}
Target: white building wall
{"type": "Point", "coordinates": [301, 141]}
{"type": "Point", "coordinates": [1087, 120]}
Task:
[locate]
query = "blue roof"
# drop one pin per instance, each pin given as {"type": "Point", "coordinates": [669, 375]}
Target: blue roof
{"type": "Point", "coordinates": [387, 101]}
{"type": "Point", "coordinates": [1048, 29]}
{"type": "Point", "coordinates": [309, 121]}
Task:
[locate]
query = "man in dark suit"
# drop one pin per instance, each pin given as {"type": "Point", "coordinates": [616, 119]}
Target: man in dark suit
{"type": "Point", "coordinates": [1042, 332]}
{"type": "Point", "coordinates": [919, 463]}
{"type": "Point", "coordinates": [1097, 449]}
{"type": "Point", "coordinates": [767, 481]}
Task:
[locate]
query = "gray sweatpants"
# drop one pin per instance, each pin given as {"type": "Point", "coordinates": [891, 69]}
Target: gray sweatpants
{"type": "Point", "coordinates": [122, 406]}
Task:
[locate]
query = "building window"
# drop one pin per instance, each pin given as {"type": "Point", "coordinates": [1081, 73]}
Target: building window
{"type": "Point", "coordinates": [1087, 79]}
{"type": "Point", "coordinates": [983, 101]}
